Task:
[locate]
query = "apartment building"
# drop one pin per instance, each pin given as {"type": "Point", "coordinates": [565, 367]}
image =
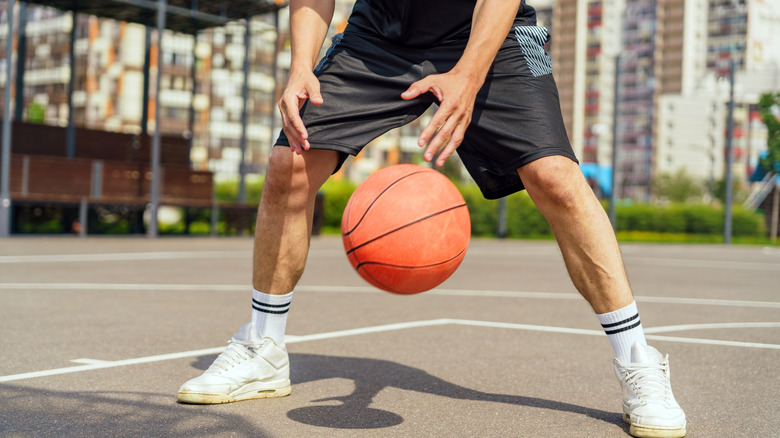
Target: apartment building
{"type": "Point", "coordinates": [587, 38]}
{"type": "Point", "coordinates": [674, 62]}
{"type": "Point", "coordinates": [745, 32]}
{"type": "Point", "coordinates": [200, 91]}
{"type": "Point", "coordinates": [675, 48]}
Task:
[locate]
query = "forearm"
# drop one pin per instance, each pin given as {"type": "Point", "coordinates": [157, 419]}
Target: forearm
{"type": "Point", "coordinates": [309, 22]}
{"type": "Point", "coordinates": [490, 25]}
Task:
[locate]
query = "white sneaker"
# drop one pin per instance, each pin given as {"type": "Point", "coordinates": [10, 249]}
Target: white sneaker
{"type": "Point", "coordinates": [249, 368]}
{"type": "Point", "coordinates": [648, 403]}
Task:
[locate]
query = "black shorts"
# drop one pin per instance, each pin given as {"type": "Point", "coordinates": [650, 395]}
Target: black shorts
{"type": "Point", "coordinates": [517, 116]}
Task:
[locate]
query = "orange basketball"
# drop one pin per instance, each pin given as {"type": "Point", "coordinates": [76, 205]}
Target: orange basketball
{"type": "Point", "coordinates": [406, 229]}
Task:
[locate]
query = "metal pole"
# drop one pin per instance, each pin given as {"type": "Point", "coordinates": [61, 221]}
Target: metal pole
{"type": "Point", "coordinates": [193, 78]}
{"type": "Point", "coordinates": [775, 211]}
{"type": "Point", "coordinates": [145, 94]}
{"type": "Point", "coordinates": [83, 217]}
{"type": "Point", "coordinates": [502, 218]}
{"type": "Point", "coordinates": [21, 55]}
{"type": "Point", "coordinates": [729, 159]}
{"type": "Point", "coordinates": [70, 141]}
{"type": "Point", "coordinates": [245, 96]}
{"type": "Point", "coordinates": [191, 113]}
{"type": "Point", "coordinates": [155, 156]}
{"type": "Point", "coordinates": [5, 193]}
{"type": "Point", "coordinates": [214, 218]}
{"type": "Point", "coordinates": [613, 194]}
{"type": "Point", "coordinates": [275, 74]}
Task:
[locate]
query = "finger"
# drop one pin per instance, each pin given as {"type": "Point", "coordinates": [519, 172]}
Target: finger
{"type": "Point", "coordinates": [455, 140]}
{"type": "Point", "coordinates": [437, 121]}
{"type": "Point", "coordinates": [419, 88]}
{"type": "Point", "coordinates": [295, 144]}
{"type": "Point", "coordinates": [314, 95]}
{"type": "Point", "coordinates": [413, 91]}
{"type": "Point", "coordinates": [449, 136]}
{"type": "Point", "coordinates": [292, 118]}
{"type": "Point", "coordinates": [441, 138]}
{"type": "Point", "coordinates": [294, 137]}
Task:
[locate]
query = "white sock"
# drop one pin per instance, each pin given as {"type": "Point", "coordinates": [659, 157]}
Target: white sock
{"type": "Point", "coordinates": [624, 329]}
{"type": "Point", "coordinates": [269, 315]}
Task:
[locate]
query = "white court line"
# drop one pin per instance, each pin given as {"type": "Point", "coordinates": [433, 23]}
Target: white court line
{"type": "Point", "coordinates": [768, 250]}
{"type": "Point", "coordinates": [124, 286]}
{"type": "Point", "coordinates": [712, 342]}
{"type": "Point", "coordinates": [290, 339]}
{"type": "Point", "coordinates": [366, 289]}
{"type": "Point", "coordinates": [570, 296]}
{"type": "Point", "coordinates": [110, 364]}
{"type": "Point", "coordinates": [726, 325]}
{"type": "Point", "coordinates": [85, 361]}
{"type": "Point", "coordinates": [111, 257]}
{"type": "Point", "coordinates": [693, 263]}
{"type": "Point", "coordinates": [179, 255]}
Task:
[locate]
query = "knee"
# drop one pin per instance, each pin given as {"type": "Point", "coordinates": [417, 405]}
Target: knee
{"type": "Point", "coordinates": [282, 169]}
{"type": "Point", "coordinates": [285, 181]}
{"type": "Point", "coordinates": [555, 182]}
{"type": "Point", "coordinates": [292, 179]}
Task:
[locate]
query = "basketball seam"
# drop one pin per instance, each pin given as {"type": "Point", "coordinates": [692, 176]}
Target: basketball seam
{"type": "Point", "coordinates": [377, 198]}
{"type": "Point", "coordinates": [406, 225]}
{"type": "Point", "coordinates": [411, 267]}
{"type": "Point", "coordinates": [383, 286]}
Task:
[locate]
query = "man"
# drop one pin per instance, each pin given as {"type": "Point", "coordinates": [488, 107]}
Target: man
{"type": "Point", "coordinates": [483, 63]}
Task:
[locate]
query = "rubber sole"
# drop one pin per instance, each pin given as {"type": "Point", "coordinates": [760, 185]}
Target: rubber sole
{"type": "Point", "coordinates": [200, 398]}
{"type": "Point", "coordinates": [646, 431]}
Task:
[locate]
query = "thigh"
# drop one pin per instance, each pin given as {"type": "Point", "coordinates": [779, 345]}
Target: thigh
{"type": "Point", "coordinates": [288, 171]}
{"type": "Point", "coordinates": [361, 81]}
{"type": "Point", "coordinates": [517, 116]}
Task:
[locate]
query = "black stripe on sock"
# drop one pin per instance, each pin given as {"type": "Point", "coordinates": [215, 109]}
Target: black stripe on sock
{"type": "Point", "coordinates": [275, 312]}
{"type": "Point", "coordinates": [623, 329]}
{"type": "Point", "coordinates": [614, 324]}
{"type": "Point", "coordinates": [254, 301]}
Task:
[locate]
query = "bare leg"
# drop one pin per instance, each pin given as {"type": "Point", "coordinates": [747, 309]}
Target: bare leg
{"type": "Point", "coordinates": [285, 214]}
{"type": "Point", "coordinates": [582, 229]}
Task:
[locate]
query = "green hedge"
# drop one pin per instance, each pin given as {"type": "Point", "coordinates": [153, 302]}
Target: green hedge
{"type": "Point", "coordinates": [335, 197]}
{"type": "Point", "coordinates": [525, 220]}
{"type": "Point", "coordinates": [688, 219]}
{"type": "Point", "coordinates": [228, 190]}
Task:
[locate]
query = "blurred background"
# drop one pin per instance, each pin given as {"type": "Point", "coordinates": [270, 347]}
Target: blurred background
{"type": "Point", "coordinates": [157, 117]}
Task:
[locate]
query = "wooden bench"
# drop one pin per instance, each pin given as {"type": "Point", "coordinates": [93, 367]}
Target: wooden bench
{"type": "Point", "coordinates": [112, 169]}
{"type": "Point", "coordinates": [85, 182]}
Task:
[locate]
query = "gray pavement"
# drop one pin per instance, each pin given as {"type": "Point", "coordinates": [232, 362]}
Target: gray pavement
{"type": "Point", "coordinates": [97, 335]}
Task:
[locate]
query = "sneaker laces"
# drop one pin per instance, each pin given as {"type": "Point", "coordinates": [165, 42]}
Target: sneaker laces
{"type": "Point", "coordinates": [650, 381]}
{"type": "Point", "coordinates": [235, 353]}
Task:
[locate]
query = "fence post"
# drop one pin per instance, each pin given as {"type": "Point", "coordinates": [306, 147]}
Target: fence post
{"type": "Point", "coordinates": [775, 211]}
{"type": "Point", "coordinates": [214, 219]}
{"type": "Point", "coordinates": [83, 217]}
{"type": "Point", "coordinates": [5, 153]}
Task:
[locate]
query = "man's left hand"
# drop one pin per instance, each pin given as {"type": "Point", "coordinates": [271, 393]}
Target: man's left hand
{"type": "Point", "coordinates": [456, 94]}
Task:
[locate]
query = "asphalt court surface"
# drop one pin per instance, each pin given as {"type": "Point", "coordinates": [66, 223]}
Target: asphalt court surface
{"type": "Point", "coordinates": [98, 334]}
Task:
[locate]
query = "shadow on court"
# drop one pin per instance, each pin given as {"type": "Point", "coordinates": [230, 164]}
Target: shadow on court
{"type": "Point", "coordinates": [370, 376]}
{"type": "Point", "coordinates": [36, 412]}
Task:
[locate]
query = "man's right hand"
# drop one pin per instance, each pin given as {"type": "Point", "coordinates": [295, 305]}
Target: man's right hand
{"type": "Point", "coordinates": [300, 86]}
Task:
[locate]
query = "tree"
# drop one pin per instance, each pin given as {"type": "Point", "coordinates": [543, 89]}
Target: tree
{"type": "Point", "coordinates": [677, 187]}
{"type": "Point", "coordinates": [739, 190]}
{"type": "Point", "coordinates": [36, 113]}
{"type": "Point", "coordinates": [769, 108]}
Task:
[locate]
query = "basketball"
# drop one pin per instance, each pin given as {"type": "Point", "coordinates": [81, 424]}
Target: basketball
{"type": "Point", "coordinates": [406, 229]}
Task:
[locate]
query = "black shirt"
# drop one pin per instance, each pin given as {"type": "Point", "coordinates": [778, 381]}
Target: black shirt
{"type": "Point", "coordinates": [422, 23]}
